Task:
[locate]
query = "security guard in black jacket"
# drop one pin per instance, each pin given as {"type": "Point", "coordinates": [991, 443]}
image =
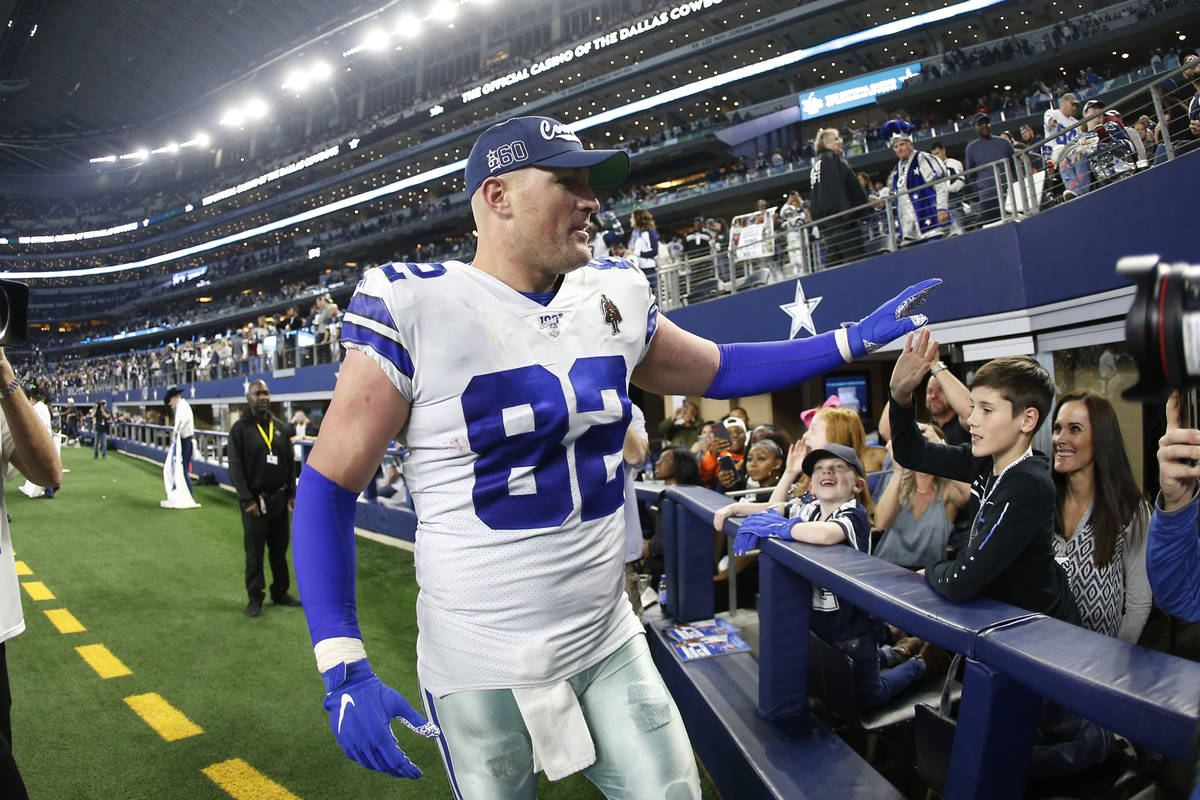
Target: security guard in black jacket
{"type": "Point", "coordinates": [260, 466]}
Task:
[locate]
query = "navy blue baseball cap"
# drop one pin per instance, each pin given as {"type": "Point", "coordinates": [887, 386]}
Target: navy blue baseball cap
{"type": "Point", "coordinates": [832, 450]}
{"type": "Point", "coordinates": [540, 142]}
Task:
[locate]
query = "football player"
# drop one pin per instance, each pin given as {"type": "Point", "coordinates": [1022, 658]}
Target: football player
{"type": "Point", "coordinates": [529, 656]}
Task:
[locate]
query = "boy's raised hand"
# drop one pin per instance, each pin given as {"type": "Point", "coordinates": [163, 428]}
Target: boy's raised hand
{"type": "Point", "coordinates": [918, 357]}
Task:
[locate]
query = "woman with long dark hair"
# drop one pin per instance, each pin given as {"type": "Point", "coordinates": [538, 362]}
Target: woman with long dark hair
{"type": "Point", "coordinates": [1100, 517]}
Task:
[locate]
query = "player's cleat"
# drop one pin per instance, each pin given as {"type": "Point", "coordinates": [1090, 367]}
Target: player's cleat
{"type": "Point", "coordinates": [287, 600]}
{"type": "Point", "coordinates": [254, 607]}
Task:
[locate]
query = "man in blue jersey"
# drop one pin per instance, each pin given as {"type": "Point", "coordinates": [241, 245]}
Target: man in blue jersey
{"type": "Point", "coordinates": [509, 377]}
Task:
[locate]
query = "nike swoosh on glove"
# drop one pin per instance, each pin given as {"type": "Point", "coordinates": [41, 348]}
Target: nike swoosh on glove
{"type": "Point", "coordinates": [764, 523]}
{"type": "Point", "coordinates": [361, 708]}
{"type": "Point", "coordinates": [892, 320]}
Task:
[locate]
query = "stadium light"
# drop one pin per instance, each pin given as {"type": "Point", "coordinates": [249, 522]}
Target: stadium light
{"type": "Point", "coordinates": [138, 155]}
{"type": "Point", "coordinates": [233, 118]}
{"type": "Point", "coordinates": [444, 11]}
{"type": "Point", "coordinates": [297, 81]}
{"type": "Point", "coordinates": [409, 26]}
{"type": "Point", "coordinates": [256, 108]}
{"type": "Point", "coordinates": [300, 78]}
{"type": "Point", "coordinates": [319, 71]}
{"type": "Point", "coordinates": [102, 160]}
{"type": "Point", "coordinates": [376, 40]}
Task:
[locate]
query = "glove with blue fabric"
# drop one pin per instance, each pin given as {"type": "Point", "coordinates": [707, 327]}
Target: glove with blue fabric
{"type": "Point", "coordinates": [764, 523]}
{"type": "Point", "coordinates": [361, 708]}
{"type": "Point", "coordinates": [892, 320]}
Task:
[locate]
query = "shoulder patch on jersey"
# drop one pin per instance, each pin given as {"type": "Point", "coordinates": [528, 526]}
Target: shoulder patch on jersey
{"type": "Point", "coordinates": [612, 314]}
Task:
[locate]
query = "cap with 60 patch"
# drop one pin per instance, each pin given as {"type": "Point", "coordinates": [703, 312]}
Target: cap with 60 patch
{"type": "Point", "coordinates": [540, 142]}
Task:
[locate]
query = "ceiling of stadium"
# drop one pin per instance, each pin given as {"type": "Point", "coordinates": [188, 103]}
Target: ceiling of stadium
{"type": "Point", "coordinates": [95, 68]}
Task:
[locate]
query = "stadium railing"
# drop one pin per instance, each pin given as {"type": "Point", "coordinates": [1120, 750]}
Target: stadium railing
{"type": "Point", "coordinates": [1013, 658]}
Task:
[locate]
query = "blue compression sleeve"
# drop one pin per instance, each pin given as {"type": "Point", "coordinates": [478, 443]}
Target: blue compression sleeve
{"type": "Point", "coordinates": [323, 552]}
{"type": "Point", "coordinates": [760, 367]}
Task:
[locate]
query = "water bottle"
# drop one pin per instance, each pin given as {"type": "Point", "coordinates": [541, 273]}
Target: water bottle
{"type": "Point", "coordinates": [662, 593]}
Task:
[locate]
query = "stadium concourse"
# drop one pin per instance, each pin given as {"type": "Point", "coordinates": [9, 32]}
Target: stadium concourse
{"type": "Point", "coordinates": [193, 196]}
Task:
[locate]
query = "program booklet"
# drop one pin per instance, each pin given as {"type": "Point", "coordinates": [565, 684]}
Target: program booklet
{"type": "Point", "coordinates": [705, 638]}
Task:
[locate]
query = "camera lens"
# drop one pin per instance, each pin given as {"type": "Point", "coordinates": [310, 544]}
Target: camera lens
{"type": "Point", "coordinates": [1163, 326]}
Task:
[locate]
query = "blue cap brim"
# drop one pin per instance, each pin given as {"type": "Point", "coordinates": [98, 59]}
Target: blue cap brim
{"type": "Point", "coordinates": [609, 168]}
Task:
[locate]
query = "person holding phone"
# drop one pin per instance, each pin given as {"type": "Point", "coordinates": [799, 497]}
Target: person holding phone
{"type": "Point", "coordinates": [1173, 547]}
{"type": "Point", "coordinates": [721, 467]}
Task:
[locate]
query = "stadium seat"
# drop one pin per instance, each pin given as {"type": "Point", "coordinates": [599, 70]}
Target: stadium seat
{"type": "Point", "coordinates": [759, 277]}
{"type": "Point", "coordinates": [831, 682]}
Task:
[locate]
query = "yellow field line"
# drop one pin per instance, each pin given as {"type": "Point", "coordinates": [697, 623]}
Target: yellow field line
{"type": "Point", "coordinates": [23, 568]}
{"type": "Point", "coordinates": [243, 782]}
{"type": "Point", "coordinates": [166, 720]}
{"type": "Point", "coordinates": [64, 620]}
{"type": "Point", "coordinates": [100, 659]}
{"type": "Point", "coordinates": [37, 590]}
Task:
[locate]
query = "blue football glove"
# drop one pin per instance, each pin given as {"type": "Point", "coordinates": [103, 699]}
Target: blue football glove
{"type": "Point", "coordinates": [361, 708]}
{"type": "Point", "coordinates": [765, 523]}
{"type": "Point", "coordinates": [893, 319]}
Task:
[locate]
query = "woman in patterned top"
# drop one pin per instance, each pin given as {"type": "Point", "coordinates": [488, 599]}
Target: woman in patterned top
{"type": "Point", "coordinates": [1100, 518]}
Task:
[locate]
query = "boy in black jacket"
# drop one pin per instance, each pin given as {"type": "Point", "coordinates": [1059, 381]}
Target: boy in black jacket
{"type": "Point", "coordinates": [1010, 555]}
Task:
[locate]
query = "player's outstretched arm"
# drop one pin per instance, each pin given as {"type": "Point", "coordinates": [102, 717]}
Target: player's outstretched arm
{"type": "Point", "coordinates": [682, 363]}
{"type": "Point", "coordinates": [366, 412]}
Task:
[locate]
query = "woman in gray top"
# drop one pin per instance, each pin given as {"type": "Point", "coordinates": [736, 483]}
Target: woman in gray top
{"type": "Point", "coordinates": [917, 512]}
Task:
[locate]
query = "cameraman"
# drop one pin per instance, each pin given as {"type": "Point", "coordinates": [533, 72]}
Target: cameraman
{"type": "Point", "coordinates": [1173, 549]}
{"type": "Point", "coordinates": [26, 445]}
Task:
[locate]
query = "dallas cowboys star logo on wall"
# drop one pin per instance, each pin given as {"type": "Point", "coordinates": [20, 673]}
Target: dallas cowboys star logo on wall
{"type": "Point", "coordinates": [800, 310]}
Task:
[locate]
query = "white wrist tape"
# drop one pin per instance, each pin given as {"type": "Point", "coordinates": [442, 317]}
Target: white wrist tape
{"type": "Point", "coordinates": [843, 344]}
{"type": "Point", "coordinates": [337, 650]}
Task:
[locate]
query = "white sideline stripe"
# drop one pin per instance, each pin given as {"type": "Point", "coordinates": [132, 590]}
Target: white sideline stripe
{"type": "Point", "coordinates": [382, 538]}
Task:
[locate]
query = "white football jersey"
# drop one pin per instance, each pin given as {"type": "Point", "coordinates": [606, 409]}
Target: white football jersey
{"type": "Point", "coordinates": [515, 439]}
{"type": "Point", "coordinates": [12, 620]}
{"type": "Point", "coordinates": [1054, 121]}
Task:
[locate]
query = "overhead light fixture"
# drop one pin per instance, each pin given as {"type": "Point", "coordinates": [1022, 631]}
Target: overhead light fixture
{"type": "Point", "coordinates": [376, 40]}
{"type": "Point", "coordinates": [444, 10]}
{"type": "Point", "coordinates": [297, 81]}
{"type": "Point", "coordinates": [256, 108]}
{"type": "Point", "coordinates": [233, 118]}
{"type": "Point", "coordinates": [320, 71]}
{"type": "Point", "coordinates": [408, 26]}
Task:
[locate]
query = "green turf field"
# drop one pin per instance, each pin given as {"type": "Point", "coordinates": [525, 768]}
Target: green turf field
{"type": "Point", "coordinates": [163, 591]}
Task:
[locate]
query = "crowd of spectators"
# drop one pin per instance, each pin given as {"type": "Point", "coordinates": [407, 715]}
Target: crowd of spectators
{"type": "Point", "coordinates": [287, 339]}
